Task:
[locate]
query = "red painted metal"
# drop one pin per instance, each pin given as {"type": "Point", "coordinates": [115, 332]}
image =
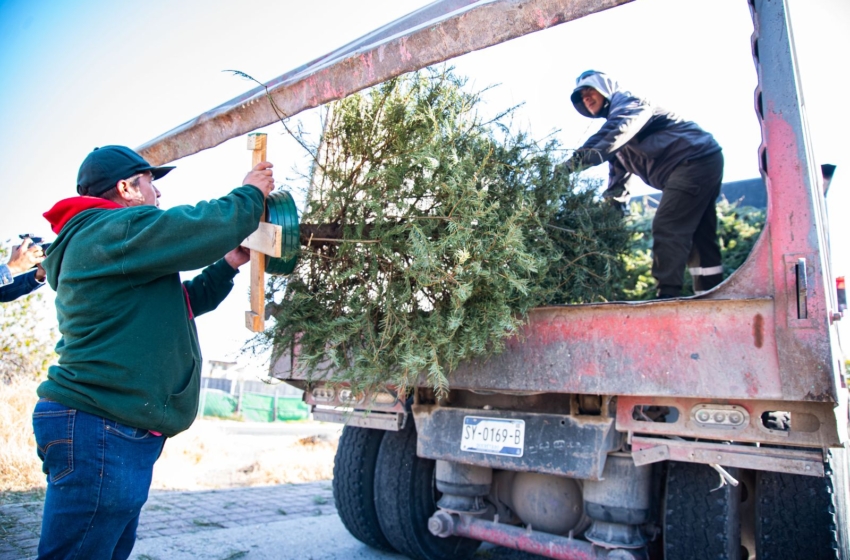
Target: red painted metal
{"type": "Point", "coordinates": [699, 348]}
{"type": "Point", "coordinates": [795, 214]}
{"type": "Point", "coordinates": [544, 544]}
{"type": "Point", "coordinates": [706, 348]}
{"type": "Point", "coordinates": [444, 29]}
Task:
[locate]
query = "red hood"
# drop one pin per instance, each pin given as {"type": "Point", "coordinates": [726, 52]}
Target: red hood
{"type": "Point", "coordinates": [66, 209]}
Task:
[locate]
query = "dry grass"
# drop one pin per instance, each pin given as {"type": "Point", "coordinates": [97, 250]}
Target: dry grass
{"type": "Point", "coordinates": [303, 461]}
{"type": "Point", "coordinates": [20, 467]}
{"type": "Point", "coordinates": [207, 456]}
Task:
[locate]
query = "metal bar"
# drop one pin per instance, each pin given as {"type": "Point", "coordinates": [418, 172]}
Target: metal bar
{"type": "Point", "coordinates": [651, 450]}
{"type": "Point", "coordinates": [438, 32]}
{"type": "Point", "coordinates": [802, 290]}
{"type": "Point", "coordinates": [392, 422]}
{"type": "Point", "coordinates": [527, 540]}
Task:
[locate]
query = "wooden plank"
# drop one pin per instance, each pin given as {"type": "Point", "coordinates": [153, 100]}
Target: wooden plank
{"type": "Point", "coordinates": [267, 240]}
{"type": "Point", "coordinates": [255, 320]}
{"type": "Point", "coordinates": [257, 145]}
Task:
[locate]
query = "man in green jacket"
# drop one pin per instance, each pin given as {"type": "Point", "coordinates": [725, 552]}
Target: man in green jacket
{"type": "Point", "coordinates": [129, 361]}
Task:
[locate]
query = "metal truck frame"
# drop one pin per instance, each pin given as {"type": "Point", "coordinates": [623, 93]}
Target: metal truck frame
{"type": "Point", "coordinates": [712, 426]}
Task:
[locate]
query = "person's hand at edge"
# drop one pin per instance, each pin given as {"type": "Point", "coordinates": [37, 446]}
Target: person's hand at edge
{"type": "Point", "coordinates": [25, 256]}
{"type": "Point", "coordinates": [261, 177]}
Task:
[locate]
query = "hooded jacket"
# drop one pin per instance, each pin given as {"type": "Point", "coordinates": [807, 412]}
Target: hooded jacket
{"type": "Point", "coordinates": [637, 138]}
{"type": "Point", "coordinates": [129, 349]}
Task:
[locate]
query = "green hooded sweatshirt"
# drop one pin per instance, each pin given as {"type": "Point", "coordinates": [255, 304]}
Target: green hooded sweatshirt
{"type": "Point", "coordinates": [129, 348]}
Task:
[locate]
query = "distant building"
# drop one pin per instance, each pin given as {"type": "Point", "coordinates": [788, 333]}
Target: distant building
{"type": "Point", "coordinates": [220, 369]}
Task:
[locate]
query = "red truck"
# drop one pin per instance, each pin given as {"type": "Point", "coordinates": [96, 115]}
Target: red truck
{"type": "Point", "coordinates": [704, 427]}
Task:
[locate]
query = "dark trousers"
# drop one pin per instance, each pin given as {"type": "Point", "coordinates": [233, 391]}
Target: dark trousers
{"type": "Point", "coordinates": [684, 230]}
{"type": "Point", "coordinates": [98, 475]}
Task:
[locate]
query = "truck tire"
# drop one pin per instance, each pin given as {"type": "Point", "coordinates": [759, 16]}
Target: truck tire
{"type": "Point", "coordinates": [804, 516]}
{"type": "Point", "coordinates": [406, 497]}
{"type": "Point", "coordinates": [700, 519]}
{"type": "Point", "coordinates": [354, 485]}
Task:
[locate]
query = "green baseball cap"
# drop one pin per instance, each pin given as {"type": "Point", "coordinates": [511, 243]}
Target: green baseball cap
{"type": "Point", "coordinates": [107, 165]}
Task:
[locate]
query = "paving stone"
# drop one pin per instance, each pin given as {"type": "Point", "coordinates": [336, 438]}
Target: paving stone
{"type": "Point", "coordinates": [173, 513]}
{"type": "Point", "coordinates": [167, 532]}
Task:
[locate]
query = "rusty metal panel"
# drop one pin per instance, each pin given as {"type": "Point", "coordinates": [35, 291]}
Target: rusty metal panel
{"type": "Point", "coordinates": [796, 215]}
{"type": "Point", "coordinates": [650, 450]}
{"type": "Point", "coordinates": [812, 423]}
{"type": "Point", "coordinates": [707, 348]}
{"type": "Point", "coordinates": [443, 30]}
{"type": "Point", "coordinates": [574, 446]}
{"type": "Point", "coordinates": [699, 348]}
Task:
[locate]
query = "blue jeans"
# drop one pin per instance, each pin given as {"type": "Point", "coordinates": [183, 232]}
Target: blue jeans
{"type": "Point", "coordinates": [98, 477]}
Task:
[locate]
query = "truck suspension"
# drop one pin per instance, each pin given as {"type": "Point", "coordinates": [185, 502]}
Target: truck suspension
{"type": "Point", "coordinates": [444, 524]}
{"type": "Point", "coordinates": [619, 503]}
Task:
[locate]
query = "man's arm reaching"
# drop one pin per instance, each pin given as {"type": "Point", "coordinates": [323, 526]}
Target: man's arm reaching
{"type": "Point", "coordinates": [208, 289]}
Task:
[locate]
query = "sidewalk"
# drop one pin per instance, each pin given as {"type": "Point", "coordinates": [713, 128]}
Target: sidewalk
{"type": "Point", "coordinates": [168, 514]}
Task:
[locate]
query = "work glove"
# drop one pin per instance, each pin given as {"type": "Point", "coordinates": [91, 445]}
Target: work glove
{"type": "Point", "coordinates": [563, 170]}
{"type": "Point", "coordinates": [618, 197]}
{"type": "Point", "coordinates": [619, 206]}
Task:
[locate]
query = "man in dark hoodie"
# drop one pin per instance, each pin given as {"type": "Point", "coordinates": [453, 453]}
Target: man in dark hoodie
{"type": "Point", "coordinates": [129, 360]}
{"type": "Point", "coordinates": [669, 153]}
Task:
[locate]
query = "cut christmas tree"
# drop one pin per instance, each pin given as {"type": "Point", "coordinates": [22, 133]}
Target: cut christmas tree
{"type": "Point", "coordinates": [428, 234]}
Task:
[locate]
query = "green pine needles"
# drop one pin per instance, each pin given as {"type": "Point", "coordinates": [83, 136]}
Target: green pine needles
{"type": "Point", "coordinates": [738, 229]}
{"type": "Point", "coordinates": [428, 235]}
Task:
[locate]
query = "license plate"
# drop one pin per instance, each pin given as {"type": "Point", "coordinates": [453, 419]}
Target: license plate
{"type": "Point", "coordinates": [495, 436]}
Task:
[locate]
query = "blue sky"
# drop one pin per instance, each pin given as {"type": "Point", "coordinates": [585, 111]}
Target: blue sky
{"type": "Point", "coordinates": [90, 72]}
